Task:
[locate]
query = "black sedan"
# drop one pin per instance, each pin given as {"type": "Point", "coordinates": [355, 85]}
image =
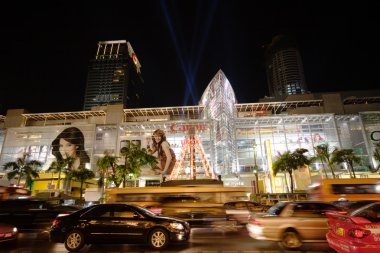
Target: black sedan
{"type": "Point", "coordinates": [117, 223]}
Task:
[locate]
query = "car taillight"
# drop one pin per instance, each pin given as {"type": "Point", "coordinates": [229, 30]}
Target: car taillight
{"type": "Point", "coordinates": [255, 222]}
{"type": "Point", "coordinates": [359, 233]}
{"type": "Point", "coordinates": [56, 222]}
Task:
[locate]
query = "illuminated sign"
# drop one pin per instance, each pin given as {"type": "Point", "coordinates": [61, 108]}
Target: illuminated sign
{"type": "Point", "coordinates": [375, 136]}
{"type": "Point", "coordinates": [184, 128]}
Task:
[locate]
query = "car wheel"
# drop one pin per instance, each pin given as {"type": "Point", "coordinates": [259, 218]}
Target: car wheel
{"type": "Point", "coordinates": [158, 238]}
{"type": "Point", "coordinates": [291, 240]}
{"type": "Point", "coordinates": [74, 240]}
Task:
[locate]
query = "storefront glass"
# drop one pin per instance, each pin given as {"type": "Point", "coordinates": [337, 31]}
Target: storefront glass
{"type": "Point", "coordinates": [260, 140]}
{"type": "Point", "coordinates": [371, 125]}
{"type": "Point", "coordinates": [351, 136]}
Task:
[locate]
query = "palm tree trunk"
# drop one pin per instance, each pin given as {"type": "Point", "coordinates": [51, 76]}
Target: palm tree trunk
{"type": "Point", "coordinates": [59, 180]}
{"type": "Point", "coordinates": [332, 170]}
{"type": "Point", "coordinates": [291, 182]}
{"type": "Point", "coordinates": [81, 190]}
{"type": "Point", "coordinates": [352, 168]}
{"type": "Point", "coordinates": [324, 170]}
{"type": "Point", "coordinates": [286, 182]}
{"type": "Point", "coordinates": [18, 180]}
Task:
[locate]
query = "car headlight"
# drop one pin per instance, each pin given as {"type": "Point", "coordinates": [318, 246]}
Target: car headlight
{"type": "Point", "coordinates": [177, 226]}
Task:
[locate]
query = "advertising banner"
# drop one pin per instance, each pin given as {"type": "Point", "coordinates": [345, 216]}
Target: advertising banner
{"type": "Point", "coordinates": [46, 143]}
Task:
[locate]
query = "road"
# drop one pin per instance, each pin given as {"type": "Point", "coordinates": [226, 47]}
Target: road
{"type": "Point", "coordinates": [201, 241]}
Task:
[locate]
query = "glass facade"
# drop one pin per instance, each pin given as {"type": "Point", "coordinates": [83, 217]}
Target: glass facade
{"type": "Point", "coordinates": [219, 101]}
{"type": "Point", "coordinates": [114, 76]}
{"type": "Point", "coordinates": [216, 138]}
{"type": "Point", "coordinates": [371, 132]}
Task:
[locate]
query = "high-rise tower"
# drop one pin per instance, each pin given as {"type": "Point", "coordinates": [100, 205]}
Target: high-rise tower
{"type": "Point", "coordinates": [284, 68]}
{"type": "Point", "coordinates": [114, 76]}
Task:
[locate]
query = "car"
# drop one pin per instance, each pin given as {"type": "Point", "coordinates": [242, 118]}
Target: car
{"type": "Point", "coordinates": [30, 215]}
{"type": "Point", "coordinates": [117, 223]}
{"type": "Point", "coordinates": [198, 214]}
{"type": "Point", "coordinates": [8, 233]}
{"type": "Point", "coordinates": [356, 231]}
{"type": "Point", "coordinates": [241, 210]}
{"type": "Point", "coordinates": [292, 223]}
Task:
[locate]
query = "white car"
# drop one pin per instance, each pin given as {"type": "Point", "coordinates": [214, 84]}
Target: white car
{"type": "Point", "coordinates": [292, 223]}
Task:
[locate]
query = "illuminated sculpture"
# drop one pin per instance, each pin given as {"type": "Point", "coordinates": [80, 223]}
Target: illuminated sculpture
{"type": "Point", "coordinates": [187, 166]}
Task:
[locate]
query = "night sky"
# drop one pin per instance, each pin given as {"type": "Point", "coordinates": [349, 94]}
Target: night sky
{"type": "Point", "coordinates": [46, 47]}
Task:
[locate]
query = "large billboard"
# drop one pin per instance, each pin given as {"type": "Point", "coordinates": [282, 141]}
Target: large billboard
{"type": "Point", "coordinates": [46, 143]}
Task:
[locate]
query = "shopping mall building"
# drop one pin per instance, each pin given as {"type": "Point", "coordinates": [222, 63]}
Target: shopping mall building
{"type": "Point", "coordinates": [219, 138]}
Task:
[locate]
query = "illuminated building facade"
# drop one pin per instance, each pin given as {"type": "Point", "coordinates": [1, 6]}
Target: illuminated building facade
{"type": "Point", "coordinates": [114, 76]}
{"type": "Point", "coordinates": [284, 68]}
{"type": "Point", "coordinates": [219, 100]}
{"type": "Point", "coordinates": [222, 137]}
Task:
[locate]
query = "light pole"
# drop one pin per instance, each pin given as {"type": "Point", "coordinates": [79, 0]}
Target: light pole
{"type": "Point", "coordinates": [255, 167]}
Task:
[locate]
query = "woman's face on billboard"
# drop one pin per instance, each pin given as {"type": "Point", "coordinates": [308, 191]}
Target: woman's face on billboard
{"type": "Point", "coordinates": [67, 149]}
{"type": "Point", "coordinates": [157, 138]}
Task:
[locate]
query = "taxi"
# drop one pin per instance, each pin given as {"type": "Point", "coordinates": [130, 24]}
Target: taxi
{"type": "Point", "coordinates": [357, 231]}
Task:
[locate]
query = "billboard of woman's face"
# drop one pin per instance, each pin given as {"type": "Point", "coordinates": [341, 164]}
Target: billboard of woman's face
{"type": "Point", "coordinates": [70, 143]}
{"type": "Point", "coordinates": [46, 143]}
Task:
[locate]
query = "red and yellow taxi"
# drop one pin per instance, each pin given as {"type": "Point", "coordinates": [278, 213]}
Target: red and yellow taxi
{"type": "Point", "coordinates": [357, 231]}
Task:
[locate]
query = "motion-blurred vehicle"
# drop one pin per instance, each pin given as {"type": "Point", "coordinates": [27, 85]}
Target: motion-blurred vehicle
{"type": "Point", "coordinates": [356, 231]}
{"type": "Point", "coordinates": [117, 223]}
{"type": "Point", "coordinates": [351, 189]}
{"type": "Point", "coordinates": [8, 233]}
{"type": "Point", "coordinates": [292, 223]}
{"type": "Point", "coordinates": [30, 215]}
{"type": "Point", "coordinates": [241, 210]}
{"type": "Point", "coordinates": [198, 214]}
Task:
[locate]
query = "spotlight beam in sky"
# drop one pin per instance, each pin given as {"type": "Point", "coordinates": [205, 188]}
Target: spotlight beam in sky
{"type": "Point", "coordinates": [176, 46]}
{"type": "Point", "coordinates": [190, 62]}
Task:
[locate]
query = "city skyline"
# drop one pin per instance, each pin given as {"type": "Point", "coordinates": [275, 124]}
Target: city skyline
{"type": "Point", "coordinates": [181, 46]}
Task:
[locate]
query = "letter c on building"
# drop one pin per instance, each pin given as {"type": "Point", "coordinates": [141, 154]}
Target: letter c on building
{"type": "Point", "coordinates": [375, 136]}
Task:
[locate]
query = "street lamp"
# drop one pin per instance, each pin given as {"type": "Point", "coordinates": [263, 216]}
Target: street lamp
{"type": "Point", "coordinates": [255, 167]}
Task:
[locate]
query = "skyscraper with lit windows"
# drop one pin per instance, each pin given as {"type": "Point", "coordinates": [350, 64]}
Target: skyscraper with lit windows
{"type": "Point", "coordinates": [284, 67]}
{"type": "Point", "coordinates": [114, 76]}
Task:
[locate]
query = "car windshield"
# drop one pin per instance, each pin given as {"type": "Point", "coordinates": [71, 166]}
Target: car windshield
{"type": "Point", "coordinates": [277, 208]}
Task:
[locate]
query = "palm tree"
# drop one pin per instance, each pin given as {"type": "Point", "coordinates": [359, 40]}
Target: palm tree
{"type": "Point", "coordinates": [81, 175]}
{"type": "Point", "coordinates": [104, 164]}
{"type": "Point", "coordinates": [323, 154]}
{"type": "Point", "coordinates": [346, 156]}
{"type": "Point", "coordinates": [23, 168]}
{"type": "Point", "coordinates": [290, 161]}
{"type": "Point", "coordinates": [59, 166]}
{"type": "Point", "coordinates": [134, 158]}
